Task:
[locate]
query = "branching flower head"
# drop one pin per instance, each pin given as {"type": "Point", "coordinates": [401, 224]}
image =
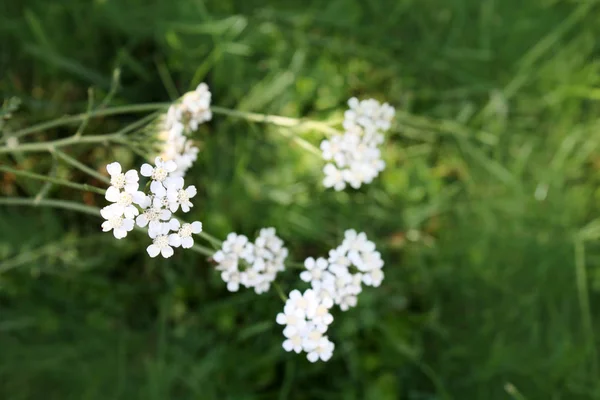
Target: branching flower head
{"type": "Point", "coordinates": [306, 318]}
{"type": "Point", "coordinates": [253, 265]}
{"type": "Point", "coordinates": [351, 264]}
{"type": "Point", "coordinates": [353, 158]}
{"type": "Point", "coordinates": [116, 222]}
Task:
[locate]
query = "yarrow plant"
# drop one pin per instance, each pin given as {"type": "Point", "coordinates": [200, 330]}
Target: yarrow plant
{"type": "Point", "coordinates": [165, 196]}
{"type": "Point", "coordinates": [333, 282]}
{"type": "Point", "coordinates": [353, 158]}
{"type": "Point", "coordinates": [180, 121]}
{"type": "Point", "coordinates": [253, 265]}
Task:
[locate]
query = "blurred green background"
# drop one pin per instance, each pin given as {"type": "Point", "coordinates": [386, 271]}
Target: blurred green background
{"type": "Point", "coordinates": [487, 213]}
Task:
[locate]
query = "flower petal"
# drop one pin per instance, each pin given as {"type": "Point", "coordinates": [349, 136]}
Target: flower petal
{"type": "Point", "coordinates": [152, 250]}
{"type": "Point", "coordinates": [119, 233]}
{"type": "Point", "coordinates": [174, 224]}
{"type": "Point", "coordinates": [146, 170]}
{"type": "Point", "coordinates": [166, 251]}
{"type": "Point", "coordinates": [191, 191]}
{"type": "Point", "coordinates": [196, 227]}
{"type": "Point", "coordinates": [158, 189]}
{"type": "Point", "coordinates": [113, 168]}
{"type": "Point", "coordinates": [170, 166]}
{"type": "Point", "coordinates": [112, 194]}
{"type": "Point", "coordinates": [187, 242]}
{"type": "Point", "coordinates": [174, 240]}
{"type": "Point", "coordinates": [131, 176]}
{"type": "Point", "coordinates": [141, 220]}
{"type": "Point", "coordinates": [127, 224]}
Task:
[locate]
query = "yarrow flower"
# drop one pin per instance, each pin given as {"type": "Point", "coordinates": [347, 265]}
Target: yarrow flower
{"type": "Point", "coordinates": [306, 318]}
{"type": "Point", "coordinates": [181, 119]}
{"type": "Point", "coordinates": [334, 279]}
{"type": "Point", "coordinates": [253, 265]}
{"type": "Point", "coordinates": [167, 195]}
{"type": "Point", "coordinates": [354, 157]}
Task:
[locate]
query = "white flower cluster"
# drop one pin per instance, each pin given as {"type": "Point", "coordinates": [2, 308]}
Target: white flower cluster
{"type": "Point", "coordinates": [253, 265]}
{"type": "Point", "coordinates": [306, 318]}
{"type": "Point", "coordinates": [333, 278]}
{"type": "Point", "coordinates": [181, 119]}
{"type": "Point", "coordinates": [354, 157]}
{"type": "Point", "coordinates": [167, 195]}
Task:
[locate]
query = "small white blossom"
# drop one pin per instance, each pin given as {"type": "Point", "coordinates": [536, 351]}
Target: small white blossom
{"type": "Point", "coordinates": [161, 242]}
{"type": "Point", "coordinates": [323, 350]}
{"type": "Point", "coordinates": [122, 181]}
{"type": "Point", "coordinates": [354, 157]}
{"type": "Point", "coordinates": [158, 173]}
{"type": "Point", "coordinates": [306, 318]}
{"type": "Point", "coordinates": [124, 200]}
{"type": "Point", "coordinates": [115, 221]}
{"type": "Point", "coordinates": [314, 269]}
{"type": "Point", "coordinates": [178, 196]}
{"type": "Point", "coordinates": [253, 265]}
{"type": "Point", "coordinates": [183, 233]}
{"type": "Point", "coordinates": [153, 217]}
{"type": "Point", "coordinates": [339, 279]}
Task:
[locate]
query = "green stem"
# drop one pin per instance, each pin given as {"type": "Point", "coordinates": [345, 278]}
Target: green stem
{"type": "Point", "coordinates": [202, 250]}
{"type": "Point", "coordinates": [66, 205]}
{"type": "Point", "coordinates": [213, 240]}
{"type": "Point", "coordinates": [58, 181]}
{"type": "Point", "coordinates": [298, 123]}
{"type": "Point", "coordinates": [73, 206]}
{"type": "Point", "coordinates": [67, 120]}
{"type": "Point", "coordinates": [80, 166]}
{"type": "Point", "coordinates": [280, 291]}
{"type": "Point", "coordinates": [49, 146]}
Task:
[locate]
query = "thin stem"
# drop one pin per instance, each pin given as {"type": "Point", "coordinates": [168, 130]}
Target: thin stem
{"type": "Point", "coordinates": [213, 240]}
{"type": "Point", "coordinates": [48, 146]}
{"type": "Point", "coordinates": [64, 204]}
{"type": "Point", "coordinates": [302, 124]}
{"type": "Point", "coordinates": [301, 142]}
{"type": "Point", "coordinates": [90, 105]}
{"type": "Point", "coordinates": [51, 248]}
{"type": "Point", "coordinates": [202, 250]}
{"type": "Point", "coordinates": [73, 206]}
{"type": "Point", "coordinates": [80, 166]}
{"type": "Point", "coordinates": [280, 291]}
{"type": "Point", "coordinates": [58, 181]}
{"type": "Point", "coordinates": [67, 120]}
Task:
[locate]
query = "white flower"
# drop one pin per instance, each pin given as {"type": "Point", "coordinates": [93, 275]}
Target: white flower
{"type": "Point", "coordinates": [152, 216]}
{"type": "Point", "coordinates": [355, 154]}
{"type": "Point", "coordinates": [124, 200]}
{"type": "Point", "coordinates": [177, 195]}
{"type": "Point", "coordinates": [192, 110]}
{"type": "Point", "coordinates": [232, 278]}
{"type": "Point", "coordinates": [320, 314]}
{"type": "Point", "coordinates": [174, 144]}
{"type": "Point", "coordinates": [158, 174]}
{"type": "Point", "coordinates": [333, 177]}
{"type": "Point", "coordinates": [306, 319]}
{"type": "Point", "coordinates": [292, 317]}
{"type": "Point", "coordinates": [183, 233]}
{"type": "Point", "coordinates": [127, 181]}
{"type": "Point", "coordinates": [254, 265]}
{"type": "Point", "coordinates": [161, 243]}
{"type": "Point", "coordinates": [314, 270]}
{"type": "Point", "coordinates": [336, 281]}
{"type": "Point", "coordinates": [323, 350]}
{"type": "Point", "coordinates": [115, 222]}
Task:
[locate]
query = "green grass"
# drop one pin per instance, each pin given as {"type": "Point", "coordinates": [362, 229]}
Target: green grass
{"type": "Point", "coordinates": [486, 215]}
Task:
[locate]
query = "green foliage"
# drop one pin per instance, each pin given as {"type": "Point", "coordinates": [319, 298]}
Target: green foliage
{"type": "Point", "coordinates": [486, 215]}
